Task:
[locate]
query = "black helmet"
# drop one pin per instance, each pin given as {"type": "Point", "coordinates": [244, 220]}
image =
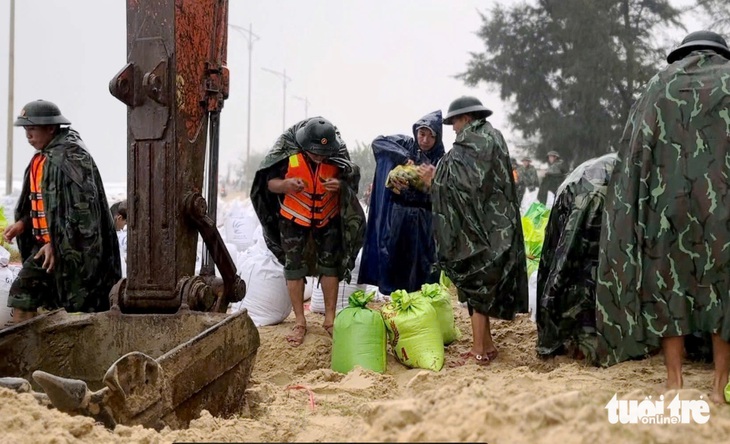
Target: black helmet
{"type": "Point", "coordinates": [318, 136]}
{"type": "Point", "coordinates": [40, 112]}
{"type": "Point", "coordinates": [699, 40]}
{"type": "Point", "coordinates": [463, 105]}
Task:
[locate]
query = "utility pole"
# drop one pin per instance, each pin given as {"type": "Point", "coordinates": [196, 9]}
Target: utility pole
{"type": "Point", "coordinates": [306, 101]}
{"type": "Point", "coordinates": [284, 81]}
{"type": "Point", "coordinates": [251, 38]}
{"type": "Point", "coordinates": [11, 97]}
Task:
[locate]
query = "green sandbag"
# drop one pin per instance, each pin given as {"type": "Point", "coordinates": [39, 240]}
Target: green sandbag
{"type": "Point", "coordinates": [359, 336]}
{"type": "Point", "coordinates": [533, 229]}
{"type": "Point", "coordinates": [440, 299]}
{"type": "Point", "coordinates": [414, 331]}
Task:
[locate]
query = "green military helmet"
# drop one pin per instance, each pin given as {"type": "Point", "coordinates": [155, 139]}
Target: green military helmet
{"type": "Point", "coordinates": [553, 153]}
{"type": "Point", "coordinates": [41, 112]}
{"type": "Point", "coordinates": [318, 136]}
{"type": "Point", "coordinates": [700, 40]}
{"type": "Point", "coordinates": [464, 105]}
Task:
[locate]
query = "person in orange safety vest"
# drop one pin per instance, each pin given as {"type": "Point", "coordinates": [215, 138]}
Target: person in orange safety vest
{"type": "Point", "coordinates": [306, 189]}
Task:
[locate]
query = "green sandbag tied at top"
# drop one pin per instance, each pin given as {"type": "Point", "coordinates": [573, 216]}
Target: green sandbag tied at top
{"type": "Point", "coordinates": [414, 331]}
{"type": "Point", "coordinates": [533, 229]}
{"type": "Point", "coordinates": [359, 336]}
{"type": "Point", "coordinates": [441, 302]}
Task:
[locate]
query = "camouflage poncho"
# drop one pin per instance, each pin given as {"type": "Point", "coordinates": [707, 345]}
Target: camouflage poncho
{"type": "Point", "coordinates": [566, 281]}
{"type": "Point", "coordinates": [526, 179]}
{"type": "Point", "coordinates": [477, 223]}
{"type": "Point", "coordinates": [665, 243]}
{"type": "Point", "coordinates": [85, 246]}
{"type": "Point", "coordinates": [266, 204]}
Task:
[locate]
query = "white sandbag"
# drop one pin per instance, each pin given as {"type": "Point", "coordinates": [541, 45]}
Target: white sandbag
{"type": "Point", "coordinates": [122, 239]}
{"type": "Point", "coordinates": [267, 298]}
{"type": "Point", "coordinates": [532, 295]}
{"type": "Point", "coordinates": [308, 288]}
{"type": "Point", "coordinates": [4, 257]}
{"type": "Point", "coordinates": [241, 224]}
{"type": "Point", "coordinates": [316, 305]}
{"type": "Point", "coordinates": [528, 199]}
{"type": "Point", "coordinates": [550, 200]}
{"type": "Point", "coordinates": [6, 280]}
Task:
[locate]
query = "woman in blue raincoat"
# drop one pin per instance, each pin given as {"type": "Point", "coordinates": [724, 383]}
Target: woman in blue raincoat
{"type": "Point", "coordinates": [399, 251]}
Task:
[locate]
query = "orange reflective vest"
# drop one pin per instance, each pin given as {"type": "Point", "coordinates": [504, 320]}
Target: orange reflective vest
{"type": "Point", "coordinates": [37, 211]}
{"type": "Point", "coordinates": [314, 206]}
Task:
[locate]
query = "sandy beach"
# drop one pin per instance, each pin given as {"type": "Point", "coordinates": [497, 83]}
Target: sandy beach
{"type": "Point", "coordinates": [294, 396]}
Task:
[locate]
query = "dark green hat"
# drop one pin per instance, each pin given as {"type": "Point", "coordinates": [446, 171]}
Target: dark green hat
{"type": "Point", "coordinates": [463, 105]}
{"type": "Point", "coordinates": [318, 136]}
{"type": "Point", "coordinates": [40, 112]}
{"type": "Point", "coordinates": [700, 40]}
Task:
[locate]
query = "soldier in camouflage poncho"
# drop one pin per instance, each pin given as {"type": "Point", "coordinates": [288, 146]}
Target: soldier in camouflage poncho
{"type": "Point", "coordinates": [566, 281]}
{"type": "Point", "coordinates": [63, 226]}
{"type": "Point", "coordinates": [311, 243]}
{"type": "Point", "coordinates": [665, 267]}
{"type": "Point", "coordinates": [554, 176]}
{"type": "Point", "coordinates": [477, 223]}
{"type": "Point", "coordinates": [527, 178]}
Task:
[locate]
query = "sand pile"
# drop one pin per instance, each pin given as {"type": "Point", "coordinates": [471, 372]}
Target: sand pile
{"type": "Point", "coordinates": [293, 396]}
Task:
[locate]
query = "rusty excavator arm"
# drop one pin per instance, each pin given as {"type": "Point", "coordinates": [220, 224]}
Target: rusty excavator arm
{"type": "Point", "coordinates": [166, 349]}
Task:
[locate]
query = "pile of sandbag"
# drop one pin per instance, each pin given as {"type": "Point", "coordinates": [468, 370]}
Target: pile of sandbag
{"type": "Point", "coordinates": [267, 297]}
{"type": "Point", "coordinates": [344, 291]}
{"type": "Point", "coordinates": [8, 273]}
{"type": "Point", "coordinates": [240, 224]}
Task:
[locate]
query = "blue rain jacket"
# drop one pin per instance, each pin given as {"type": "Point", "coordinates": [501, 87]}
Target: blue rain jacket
{"type": "Point", "coordinates": [399, 251]}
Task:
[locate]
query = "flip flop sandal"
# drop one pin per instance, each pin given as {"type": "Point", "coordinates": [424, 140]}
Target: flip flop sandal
{"type": "Point", "coordinates": [296, 337]}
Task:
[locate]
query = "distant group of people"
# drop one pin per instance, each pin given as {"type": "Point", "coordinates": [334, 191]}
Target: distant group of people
{"type": "Point", "coordinates": [659, 211]}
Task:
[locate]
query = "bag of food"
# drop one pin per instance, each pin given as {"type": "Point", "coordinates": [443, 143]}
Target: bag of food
{"type": "Point", "coordinates": [413, 331]}
{"type": "Point", "coordinates": [405, 174]}
{"type": "Point", "coordinates": [359, 336]}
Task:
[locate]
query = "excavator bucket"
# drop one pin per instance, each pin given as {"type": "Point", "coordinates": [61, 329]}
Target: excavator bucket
{"type": "Point", "coordinates": [167, 349]}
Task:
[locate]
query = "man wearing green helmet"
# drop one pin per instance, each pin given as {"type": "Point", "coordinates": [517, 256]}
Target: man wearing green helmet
{"type": "Point", "coordinates": [306, 188]}
{"type": "Point", "coordinates": [663, 269]}
{"type": "Point", "coordinates": [477, 226]}
{"type": "Point", "coordinates": [63, 226]}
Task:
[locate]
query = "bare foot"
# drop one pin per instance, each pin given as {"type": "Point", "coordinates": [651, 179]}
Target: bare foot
{"type": "Point", "coordinates": [717, 397]}
{"type": "Point", "coordinates": [296, 337]}
{"type": "Point", "coordinates": [329, 329]}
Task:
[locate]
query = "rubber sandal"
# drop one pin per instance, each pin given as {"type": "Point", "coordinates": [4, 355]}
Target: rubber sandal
{"type": "Point", "coordinates": [296, 337]}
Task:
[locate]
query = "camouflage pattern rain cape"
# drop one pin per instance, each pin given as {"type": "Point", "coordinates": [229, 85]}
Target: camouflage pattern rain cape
{"type": "Point", "coordinates": [266, 204]}
{"type": "Point", "coordinates": [399, 251]}
{"type": "Point", "coordinates": [477, 225]}
{"type": "Point", "coordinates": [665, 264]}
{"type": "Point", "coordinates": [526, 179]}
{"type": "Point", "coordinates": [85, 246]}
{"type": "Point", "coordinates": [566, 279]}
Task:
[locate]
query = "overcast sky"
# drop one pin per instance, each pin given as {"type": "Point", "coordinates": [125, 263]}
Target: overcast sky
{"type": "Point", "coordinates": [370, 66]}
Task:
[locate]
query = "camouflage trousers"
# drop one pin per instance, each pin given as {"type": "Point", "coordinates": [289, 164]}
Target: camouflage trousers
{"type": "Point", "coordinates": [34, 287]}
{"type": "Point", "coordinates": [295, 241]}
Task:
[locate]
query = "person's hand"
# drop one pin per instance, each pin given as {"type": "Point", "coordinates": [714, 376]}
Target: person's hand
{"type": "Point", "coordinates": [332, 185]}
{"type": "Point", "coordinates": [16, 229]}
{"type": "Point", "coordinates": [426, 172]}
{"type": "Point", "coordinates": [46, 252]}
{"type": "Point", "coordinates": [293, 185]}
